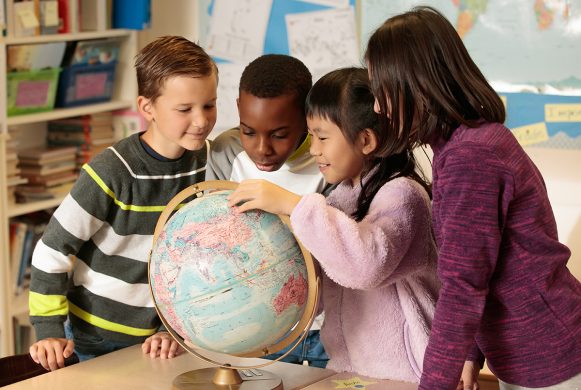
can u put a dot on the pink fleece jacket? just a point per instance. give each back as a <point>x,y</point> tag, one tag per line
<point>379,284</point>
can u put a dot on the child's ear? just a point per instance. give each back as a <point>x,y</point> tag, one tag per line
<point>145,107</point>
<point>367,141</point>
<point>238,105</point>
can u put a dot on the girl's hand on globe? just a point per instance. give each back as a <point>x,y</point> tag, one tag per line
<point>263,195</point>
<point>161,345</point>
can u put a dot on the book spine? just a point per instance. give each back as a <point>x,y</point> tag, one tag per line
<point>37,13</point>
<point>26,258</point>
<point>64,17</point>
<point>87,129</point>
<point>16,249</point>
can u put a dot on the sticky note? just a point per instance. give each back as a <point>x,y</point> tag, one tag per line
<point>352,383</point>
<point>50,14</point>
<point>27,18</point>
<point>531,134</point>
<point>563,112</point>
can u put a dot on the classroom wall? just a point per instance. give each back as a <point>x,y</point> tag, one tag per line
<point>175,17</point>
<point>561,171</point>
<point>559,167</point>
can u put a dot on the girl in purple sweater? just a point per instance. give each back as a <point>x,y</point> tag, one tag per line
<point>506,291</point>
<point>372,236</point>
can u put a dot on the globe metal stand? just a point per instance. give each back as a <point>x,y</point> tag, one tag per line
<point>226,376</point>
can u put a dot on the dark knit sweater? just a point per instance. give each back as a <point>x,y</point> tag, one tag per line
<point>107,223</point>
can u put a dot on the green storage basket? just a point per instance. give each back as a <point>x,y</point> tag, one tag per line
<point>31,91</point>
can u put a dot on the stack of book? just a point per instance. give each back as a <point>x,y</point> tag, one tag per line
<point>91,134</point>
<point>12,170</point>
<point>50,172</point>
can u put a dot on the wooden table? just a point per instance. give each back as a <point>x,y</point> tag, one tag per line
<point>130,369</point>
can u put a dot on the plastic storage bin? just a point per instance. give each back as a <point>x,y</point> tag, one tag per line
<point>85,84</point>
<point>31,91</point>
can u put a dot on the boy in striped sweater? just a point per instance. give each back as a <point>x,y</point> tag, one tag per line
<point>101,301</point>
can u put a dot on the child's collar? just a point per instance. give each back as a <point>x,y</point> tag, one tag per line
<point>302,149</point>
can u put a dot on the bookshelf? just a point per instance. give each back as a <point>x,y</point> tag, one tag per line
<point>32,130</point>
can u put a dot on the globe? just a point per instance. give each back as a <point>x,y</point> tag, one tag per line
<point>227,282</point>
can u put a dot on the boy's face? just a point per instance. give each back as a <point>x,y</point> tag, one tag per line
<point>182,116</point>
<point>271,129</point>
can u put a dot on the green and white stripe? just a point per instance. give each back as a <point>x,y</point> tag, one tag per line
<point>107,223</point>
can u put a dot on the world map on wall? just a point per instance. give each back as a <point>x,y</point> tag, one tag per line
<point>533,42</point>
<point>545,13</point>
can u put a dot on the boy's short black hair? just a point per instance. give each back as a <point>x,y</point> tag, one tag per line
<point>274,75</point>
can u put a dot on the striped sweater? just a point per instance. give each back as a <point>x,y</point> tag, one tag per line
<point>107,223</point>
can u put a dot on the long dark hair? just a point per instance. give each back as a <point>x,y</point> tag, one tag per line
<point>344,97</point>
<point>421,70</point>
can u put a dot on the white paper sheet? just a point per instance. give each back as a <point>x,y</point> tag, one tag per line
<point>238,29</point>
<point>229,80</point>
<point>324,40</point>
<point>330,3</point>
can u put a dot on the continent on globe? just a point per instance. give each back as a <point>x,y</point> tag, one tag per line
<point>294,292</point>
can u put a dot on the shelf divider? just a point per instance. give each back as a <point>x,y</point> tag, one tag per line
<point>18,209</point>
<point>60,113</point>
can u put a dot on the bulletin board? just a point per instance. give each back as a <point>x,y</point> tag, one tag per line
<point>530,51</point>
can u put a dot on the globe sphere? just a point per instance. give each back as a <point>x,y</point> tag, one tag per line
<point>227,282</point>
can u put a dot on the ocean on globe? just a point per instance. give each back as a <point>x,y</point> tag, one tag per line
<point>228,282</point>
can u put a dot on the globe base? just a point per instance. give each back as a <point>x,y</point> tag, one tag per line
<point>222,378</point>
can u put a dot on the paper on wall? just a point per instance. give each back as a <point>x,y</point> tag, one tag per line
<point>329,3</point>
<point>229,75</point>
<point>238,29</point>
<point>323,40</point>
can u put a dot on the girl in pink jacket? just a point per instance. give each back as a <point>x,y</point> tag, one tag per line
<point>372,236</point>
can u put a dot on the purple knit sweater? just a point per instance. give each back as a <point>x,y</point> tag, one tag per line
<point>504,280</point>
<point>379,282</point>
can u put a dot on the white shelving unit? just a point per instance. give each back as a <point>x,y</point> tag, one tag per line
<point>33,130</point>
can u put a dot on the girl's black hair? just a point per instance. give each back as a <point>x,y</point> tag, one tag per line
<point>425,81</point>
<point>344,97</point>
